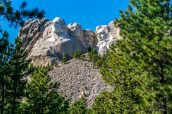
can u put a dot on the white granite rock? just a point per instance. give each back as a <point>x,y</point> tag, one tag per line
<point>106,36</point>
<point>75,30</point>
<point>52,39</point>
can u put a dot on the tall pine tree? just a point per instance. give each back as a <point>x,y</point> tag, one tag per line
<point>20,68</point>
<point>42,96</point>
<point>147,23</point>
<point>5,55</point>
<point>123,72</point>
<point>140,64</point>
<point>10,75</point>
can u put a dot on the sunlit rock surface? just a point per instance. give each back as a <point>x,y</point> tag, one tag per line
<point>46,41</point>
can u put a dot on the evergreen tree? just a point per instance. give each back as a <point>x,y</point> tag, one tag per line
<point>19,69</point>
<point>147,24</point>
<point>95,58</point>
<point>18,17</point>
<point>77,54</point>
<point>10,87</point>
<point>5,51</point>
<point>129,80</point>
<point>42,96</point>
<point>79,107</point>
<point>64,59</point>
<point>139,66</point>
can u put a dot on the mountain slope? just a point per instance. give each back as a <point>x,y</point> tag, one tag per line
<point>79,79</point>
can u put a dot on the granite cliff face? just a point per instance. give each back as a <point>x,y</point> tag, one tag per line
<point>47,41</point>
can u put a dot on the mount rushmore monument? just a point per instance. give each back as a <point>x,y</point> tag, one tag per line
<point>47,41</point>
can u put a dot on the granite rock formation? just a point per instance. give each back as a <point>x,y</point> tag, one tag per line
<point>47,41</point>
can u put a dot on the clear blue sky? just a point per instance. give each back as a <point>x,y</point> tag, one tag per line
<point>88,13</point>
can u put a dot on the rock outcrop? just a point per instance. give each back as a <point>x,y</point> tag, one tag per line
<point>47,41</point>
<point>79,79</point>
<point>106,35</point>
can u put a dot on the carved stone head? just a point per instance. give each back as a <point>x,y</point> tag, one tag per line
<point>75,30</point>
<point>102,33</point>
<point>59,26</point>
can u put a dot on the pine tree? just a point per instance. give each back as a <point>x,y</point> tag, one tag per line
<point>42,96</point>
<point>139,66</point>
<point>95,58</point>
<point>64,59</point>
<point>129,80</point>
<point>79,107</point>
<point>18,17</point>
<point>5,51</point>
<point>77,54</point>
<point>8,61</point>
<point>147,24</point>
<point>19,65</point>
<point>11,71</point>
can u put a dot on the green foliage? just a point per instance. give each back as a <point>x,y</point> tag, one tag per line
<point>139,66</point>
<point>5,55</point>
<point>14,68</point>
<point>148,29</point>
<point>78,107</point>
<point>104,104</point>
<point>92,55</point>
<point>129,80</point>
<point>17,16</point>
<point>83,57</point>
<point>19,68</point>
<point>95,58</point>
<point>77,54</point>
<point>42,96</point>
<point>64,59</point>
<point>13,63</point>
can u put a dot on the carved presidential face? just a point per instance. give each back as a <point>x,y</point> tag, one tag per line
<point>102,33</point>
<point>75,30</point>
<point>59,26</point>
